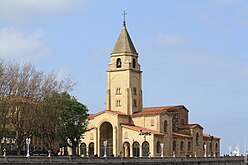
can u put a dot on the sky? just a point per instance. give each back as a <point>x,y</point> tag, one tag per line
<point>192,53</point>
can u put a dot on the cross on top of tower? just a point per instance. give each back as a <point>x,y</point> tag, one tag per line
<point>124,18</point>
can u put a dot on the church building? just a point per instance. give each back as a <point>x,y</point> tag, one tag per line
<point>126,128</point>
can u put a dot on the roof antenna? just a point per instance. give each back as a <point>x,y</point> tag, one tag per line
<point>124,18</point>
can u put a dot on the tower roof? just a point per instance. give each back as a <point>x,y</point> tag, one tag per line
<point>124,43</point>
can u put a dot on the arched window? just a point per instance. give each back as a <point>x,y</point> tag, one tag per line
<point>152,122</point>
<point>182,121</point>
<point>197,138</point>
<point>136,149</point>
<point>134,63</point>
<point>165,126</point>
<point>210,147</point>
<point>189,146</point>
<point>118,103</point>
<point>174,145</point>
<point>83,149</point>
<point>216,147</point>
<point>158,147</point>
<point>118,91</point>
<point>181,146</point>
<point>118,63</point>
<point>91,149</point>
<point>145,149</point>
<point>134,91</point>
<point>134,103</point>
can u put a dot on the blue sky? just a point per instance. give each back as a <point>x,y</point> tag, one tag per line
<point>191,52</point>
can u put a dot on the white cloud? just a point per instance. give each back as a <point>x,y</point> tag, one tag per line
<point>168,40</point>
<point>22,47</point>
<point>27,10</point>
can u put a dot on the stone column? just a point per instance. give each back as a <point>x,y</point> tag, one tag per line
<point>97,145</point>
<point>140,150</point>
<point>87,151</point>
<point>205,150</point>
<point>115,140</point>
<point>162,149</point>
<point>125,150</point>
<point>131,151</point>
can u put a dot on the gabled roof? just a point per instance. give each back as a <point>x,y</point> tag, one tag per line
<point>124,43</point>
<point>158,110</point>
<point>137,128</point>
<point>210,136</point>
<point>191,126</point>
<point>181,135</point>
<point>91,116</point>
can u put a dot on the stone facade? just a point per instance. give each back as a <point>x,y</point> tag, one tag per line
<point>127,129</point>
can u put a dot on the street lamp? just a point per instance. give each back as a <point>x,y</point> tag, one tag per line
<point>28,140</point>
<point>3,144</point>
<point>162,149</point>
<point>105,143</point>
<point>144,134</point>
<point>205,150</point>
<point>146,149</point>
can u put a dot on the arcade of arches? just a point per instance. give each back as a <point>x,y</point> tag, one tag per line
<point>128,129</point>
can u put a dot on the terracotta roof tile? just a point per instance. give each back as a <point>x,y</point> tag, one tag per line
<point>158,110</point>
<point>91,116</point>
<point>190,126</point>
<point>181,135</point>
<point>210,136</point>
<point>137,128</point>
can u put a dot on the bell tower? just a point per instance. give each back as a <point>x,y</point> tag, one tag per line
<point>124,90</point>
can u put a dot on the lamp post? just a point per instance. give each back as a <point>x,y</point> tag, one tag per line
<point>28,140</point>
<point>4,152</point>
<point>205,150</point>
<point>105,143</point>
<point>162,149</point>
<point>3,145</point>
<point>144,134</point>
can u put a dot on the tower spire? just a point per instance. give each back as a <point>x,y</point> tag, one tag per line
<point>124,18</point>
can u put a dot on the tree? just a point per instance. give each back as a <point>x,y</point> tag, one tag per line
<point>23,89</point>
<point>73,121</point>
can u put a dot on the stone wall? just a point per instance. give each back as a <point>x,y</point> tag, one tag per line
<point>122,161</point>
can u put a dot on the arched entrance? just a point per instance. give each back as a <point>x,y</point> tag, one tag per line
<point>145,149</point>
<point>83,149</point>
<point>106,133</point>
<point>136,149</point>
<point>91,149</point>
<point>126,149</point>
